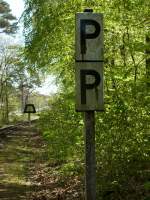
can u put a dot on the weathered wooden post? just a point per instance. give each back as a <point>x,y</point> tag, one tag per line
<point>29,118</point>
<point>89,85</point>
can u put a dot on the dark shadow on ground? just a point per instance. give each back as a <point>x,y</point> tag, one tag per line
<point>16,191</point>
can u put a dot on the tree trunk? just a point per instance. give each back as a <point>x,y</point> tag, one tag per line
<point>7,104</point>
<point>22,97</point>
<point>148,60</point>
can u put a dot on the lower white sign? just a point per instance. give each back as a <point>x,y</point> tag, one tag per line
<point>89,86</point>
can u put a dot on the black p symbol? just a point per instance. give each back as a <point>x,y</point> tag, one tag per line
<point>84,35</point>
<point>85,86</point>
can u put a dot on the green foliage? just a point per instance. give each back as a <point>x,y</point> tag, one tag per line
<point>71,169</point>
<point>64,142</point>
<point>147,185</point>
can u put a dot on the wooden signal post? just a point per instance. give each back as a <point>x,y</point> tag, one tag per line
<point>89,85</point>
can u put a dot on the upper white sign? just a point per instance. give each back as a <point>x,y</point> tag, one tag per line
<point>89,37</point>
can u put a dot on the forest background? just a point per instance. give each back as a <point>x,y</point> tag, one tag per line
<point>122,130</point>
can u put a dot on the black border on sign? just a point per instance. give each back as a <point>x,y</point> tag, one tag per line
<point>26,106</point>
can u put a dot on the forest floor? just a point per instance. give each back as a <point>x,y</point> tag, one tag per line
<point>26,174</point>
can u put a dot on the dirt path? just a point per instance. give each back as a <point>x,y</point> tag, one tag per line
<point>25,172</point>
<point>19,152</point>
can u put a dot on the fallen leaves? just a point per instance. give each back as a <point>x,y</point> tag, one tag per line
<point>54,187</point>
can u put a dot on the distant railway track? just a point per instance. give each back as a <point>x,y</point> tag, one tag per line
<point>4,131</point>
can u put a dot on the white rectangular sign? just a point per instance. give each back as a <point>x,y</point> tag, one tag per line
<point>89,36</point>
<point>89,86</point>
<point>89,62</point>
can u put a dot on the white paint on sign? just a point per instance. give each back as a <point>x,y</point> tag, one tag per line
<point>89,62</point>
<point>89,36</point>
<point>89,86</point>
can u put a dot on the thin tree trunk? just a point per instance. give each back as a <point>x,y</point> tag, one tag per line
<point>7,103</point>
<point>148,60</point>
<point>22,97</point>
